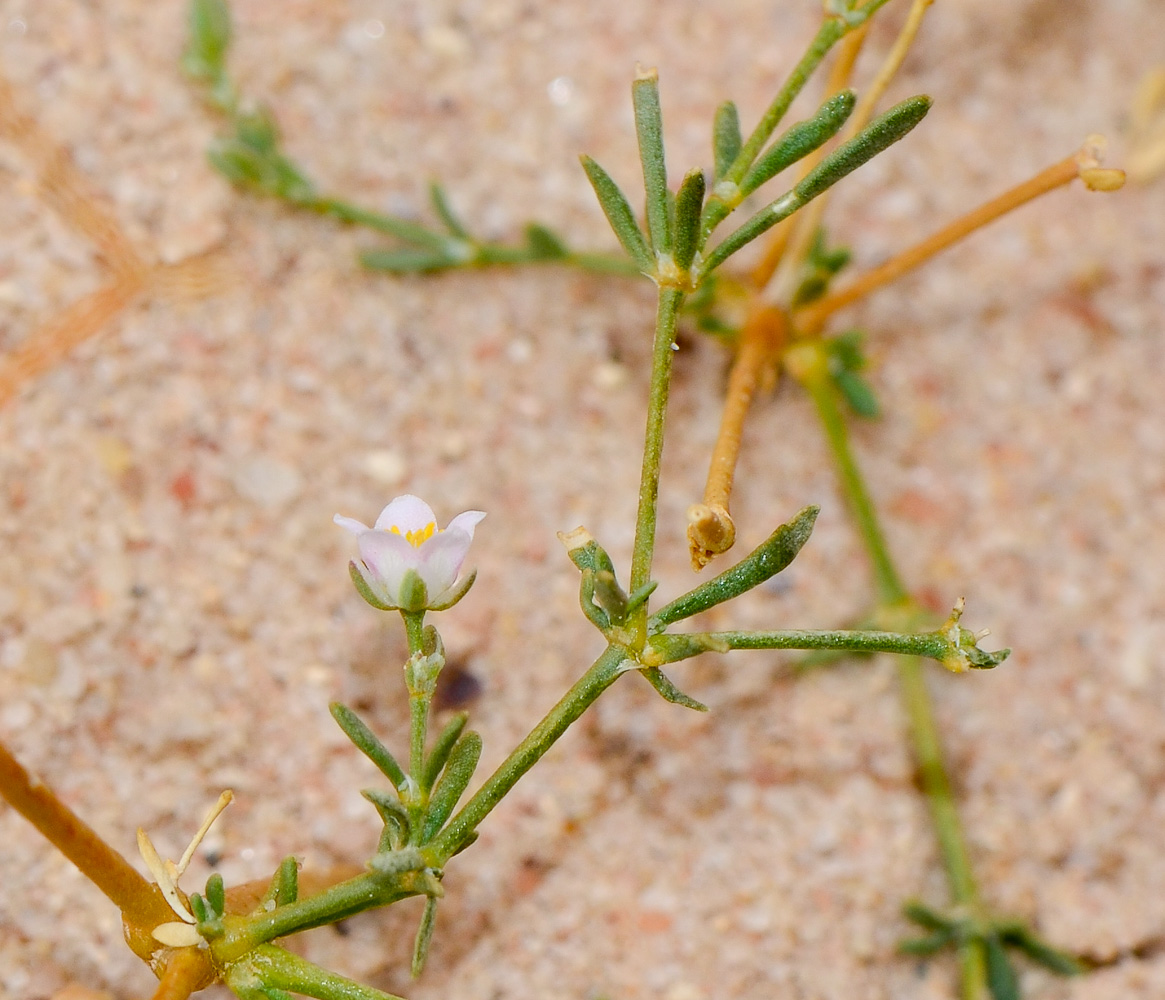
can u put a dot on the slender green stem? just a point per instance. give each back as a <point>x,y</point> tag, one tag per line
<point>812,368</point>
<point>601,675</point>
<point>932,645</point>
<point>670,300</point>
<point>418,699</point>
<point>916,699</point>
<point>364,892</point>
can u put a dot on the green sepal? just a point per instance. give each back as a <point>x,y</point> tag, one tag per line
<point>439,755</point>
<point>649,129</point>
<point>662,683</point>
<point>458,592</point>
<point>364,590</point>
<point>445,212</point>
<point>1001,978</point>
<point>799,140</point>
<point>618,212</point>
<point>881,133</point>
<point>726,138</point>
<point>544,244</point>
<point>216,897</point>
<point>368,744</point>
<point>412,593</point>
<point>424,936</point>
<point>451,786</point>
<point>765,561</point>
<point>393,815</point>
<point>688,205</point>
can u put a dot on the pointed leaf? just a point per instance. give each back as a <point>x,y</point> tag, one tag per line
<point>1001,978</point>
<point>689,203</point>
<point>439,755</point>
<point>726,138</point>
<point>452,783</point>
<point>619,215</point>
<point>544,243</point>
<point>649,128</point>
<point>1039,951</point>
<point>799,140</point>
<point>881,133</point>
<point>660,681</point>
<point>424,936</point>
<point>765,561</point>
<point>445,212</point>
<point>367,743</point>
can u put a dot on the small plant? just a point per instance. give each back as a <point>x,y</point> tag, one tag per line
<point>408,565</point>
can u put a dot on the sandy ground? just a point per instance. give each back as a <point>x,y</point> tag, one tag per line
<point>175,611</point>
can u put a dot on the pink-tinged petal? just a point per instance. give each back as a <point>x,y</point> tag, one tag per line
<point>467,521</point>
<point>441,559</point>
<point>387,557</point>
<point>350,524</point>
<point>406,513</point>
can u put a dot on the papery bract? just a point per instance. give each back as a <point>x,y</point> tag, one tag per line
<point>406,562</point>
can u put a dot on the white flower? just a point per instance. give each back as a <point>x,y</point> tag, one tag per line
<point>406,562</point>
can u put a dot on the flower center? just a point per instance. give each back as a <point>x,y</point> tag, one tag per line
<point>416,538</point>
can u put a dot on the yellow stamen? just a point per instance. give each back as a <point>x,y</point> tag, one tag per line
<point>417,538</point>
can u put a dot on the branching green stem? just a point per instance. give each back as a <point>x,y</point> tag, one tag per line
<point>670,300</point>
<point>601,675</point>
<point>809,365</point>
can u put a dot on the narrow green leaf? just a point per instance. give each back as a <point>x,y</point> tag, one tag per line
<point>439,755</point>
<point>757,225</point>
<point>544,243</point>
<point>284,887</point>
<point>1039,951</point>
<point>689,203</point>
<point>662,683</point>
<point>203,914</point>
<point>726,138</point>
<point>393,814</point>
<point>765,561</point>
<point>858,393</point>
<point>924,916</point>
<point>445,212</point>
<point>799,140</point>
<point>216,894</point>
<point>209,23</point>
<point>1001,978</point>
<point>619,215</point>
<point>407,262</point>
<point>928,945</point>
<point>367,743</point>
<point>424,936</point>
<point>649,128</point>
<point>881,133</point>
<point>452,783</point>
